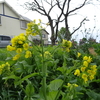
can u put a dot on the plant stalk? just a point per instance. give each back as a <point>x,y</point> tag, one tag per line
<point>44,68</point>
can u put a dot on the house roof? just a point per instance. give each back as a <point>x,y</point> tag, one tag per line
<point>21,17</point>
<point>25,18</point>
<point>45,31</point>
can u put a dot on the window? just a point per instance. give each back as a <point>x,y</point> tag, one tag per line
<point>0,20</point>
<point>3,38</point>
<point>6,38</point>
<point>24,24</point>
<point>43,36</point>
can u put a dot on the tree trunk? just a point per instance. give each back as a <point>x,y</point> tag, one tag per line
<point>67,35</point>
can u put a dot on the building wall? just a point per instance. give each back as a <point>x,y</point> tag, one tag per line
<point>8,11</point>
<point>1,11</point>
<point>45,38</point>
<point>10,24</point>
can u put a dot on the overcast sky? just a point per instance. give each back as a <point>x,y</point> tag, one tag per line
<point>88,11</point>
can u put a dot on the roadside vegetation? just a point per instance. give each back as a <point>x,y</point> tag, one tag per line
<point>65,71</point>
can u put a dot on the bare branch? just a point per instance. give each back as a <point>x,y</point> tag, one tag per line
<point>68,6</point>
<point>79,26</point>
<point>77,7</point>
<point>51,8</point>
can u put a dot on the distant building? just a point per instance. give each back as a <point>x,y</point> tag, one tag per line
<point>44,37</point>
<point>11,23</point>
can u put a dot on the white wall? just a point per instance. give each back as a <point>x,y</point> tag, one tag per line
<point>10,26</point>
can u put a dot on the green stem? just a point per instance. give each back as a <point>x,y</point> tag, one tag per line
<point>44,69</point>
<point>64,65</point>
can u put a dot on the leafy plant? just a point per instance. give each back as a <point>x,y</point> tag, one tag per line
<point>47,73</point>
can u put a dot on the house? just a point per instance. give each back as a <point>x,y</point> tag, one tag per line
<point>44,37</point>
<point>12,23</point>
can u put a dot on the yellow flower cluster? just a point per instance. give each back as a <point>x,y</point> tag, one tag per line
<point>66,45</point>
<point>19,43</point>
<point>3,67</point>
<point>87,71</point>
<point>47,55</point>
<point>34,28</point>
<point>69,85</point>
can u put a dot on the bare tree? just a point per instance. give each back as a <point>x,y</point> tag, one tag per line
<point>65,8</point>
<point>46,7</point>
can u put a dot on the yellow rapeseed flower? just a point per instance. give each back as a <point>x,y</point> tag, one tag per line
<point>77,72</point>
<point>47,54</point>
<point>85,77</point>
<point>25,46</point>
<point>7,64</point>
<point>94,72</point>
<point>69,44</point>
<point>16,57</point>
<point>22,34</point>
<point>83,69</point>
<point>22,38</point>
<point>89,59</point>
<point>68,84</point>
<point>93,67</point>
<point>75,85</point>
<point>89,71</point>
<point>85,58</point>
<point>10,48</point>
<point>85,63</point>
<point>20,42</point>
<point>78,54</point>
<point>28,54</point>
<point>91,77</point>
<point>19,50</point>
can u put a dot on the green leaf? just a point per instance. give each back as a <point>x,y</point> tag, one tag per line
<point>52,95</point>
<point>25,78</point>
<point>19,68</point>
<point>55,84</point>
<point>98,81</point>
<point>11,77</point>
<point>61,69</point>
<point>3,56</point>
<point>93,95</point>
<point>29,90</point>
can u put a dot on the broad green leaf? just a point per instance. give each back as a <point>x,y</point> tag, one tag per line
<point>93,95</point>
<point>52,95</point>
<point>61,69</point>
<point>19,68</point>
<point>55,84</point>
<point>29,90</point>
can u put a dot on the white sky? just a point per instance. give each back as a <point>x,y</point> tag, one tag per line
<point>88,11</point>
